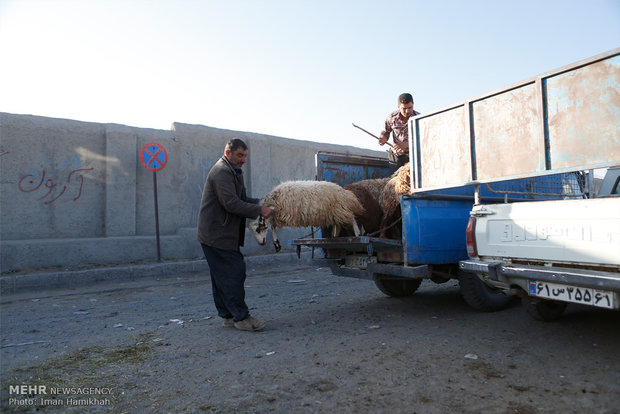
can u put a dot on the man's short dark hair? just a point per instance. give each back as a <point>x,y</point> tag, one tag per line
<point>235,143</point>
<point>405,98</point>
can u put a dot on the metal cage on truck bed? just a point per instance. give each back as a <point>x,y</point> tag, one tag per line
<point>565,120</point>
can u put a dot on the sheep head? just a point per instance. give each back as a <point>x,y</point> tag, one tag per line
<point>258,227</point>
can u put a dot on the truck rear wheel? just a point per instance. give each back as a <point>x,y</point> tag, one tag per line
<point>395,286</point>
<point>482,297</point>
<point>545,310</point>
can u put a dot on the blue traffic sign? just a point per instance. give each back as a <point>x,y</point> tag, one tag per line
<point>153,156</point>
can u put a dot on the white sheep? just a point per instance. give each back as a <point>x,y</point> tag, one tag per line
<point>305,204</point>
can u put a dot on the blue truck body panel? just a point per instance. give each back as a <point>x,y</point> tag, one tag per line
<point>434,230</point>
<point>434,223</point>
<point>344,169</point>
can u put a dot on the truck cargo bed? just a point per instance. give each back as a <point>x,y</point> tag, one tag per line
<point>351,243</point>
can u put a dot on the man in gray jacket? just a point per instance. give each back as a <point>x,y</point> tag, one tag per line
<point>221,231</point>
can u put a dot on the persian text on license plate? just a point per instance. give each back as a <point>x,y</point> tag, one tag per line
<point>566,293</point>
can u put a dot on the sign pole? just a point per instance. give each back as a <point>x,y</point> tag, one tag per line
<point>154,157</point>
<point>156,216</point>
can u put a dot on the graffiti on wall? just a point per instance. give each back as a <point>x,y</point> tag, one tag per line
<point>49,189</point>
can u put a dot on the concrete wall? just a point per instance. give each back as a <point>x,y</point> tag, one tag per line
<point>75,193</point>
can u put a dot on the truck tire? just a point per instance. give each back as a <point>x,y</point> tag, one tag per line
<point>545,310</point>
<point>396,287</point>
<point>482,297</point>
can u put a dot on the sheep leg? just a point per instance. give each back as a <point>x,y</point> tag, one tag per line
<point>335,230</point>
<point>356,229</point>
<point>389,215</point>
<point>276,242</point>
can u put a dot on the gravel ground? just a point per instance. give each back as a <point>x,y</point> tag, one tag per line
<point>331,344</point>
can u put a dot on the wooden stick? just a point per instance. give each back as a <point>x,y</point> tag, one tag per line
<point>372,135</point>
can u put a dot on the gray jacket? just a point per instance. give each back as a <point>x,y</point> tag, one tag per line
<point>224,208</point>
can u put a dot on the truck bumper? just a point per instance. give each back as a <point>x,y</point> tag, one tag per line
<point>506,275</point>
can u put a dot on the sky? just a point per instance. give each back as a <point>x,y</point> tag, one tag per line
<point>300,69</point>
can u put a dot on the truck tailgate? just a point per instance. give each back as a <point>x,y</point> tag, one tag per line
<point>584,231</point>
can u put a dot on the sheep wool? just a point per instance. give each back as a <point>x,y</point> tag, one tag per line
<point>371,219</point>
<point>374,186</point>
<point>312,203</point>
<point>401,182</point>
<point>398,185</point>
<point>305,204</point>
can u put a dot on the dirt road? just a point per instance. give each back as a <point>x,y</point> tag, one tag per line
<point>331,345</point>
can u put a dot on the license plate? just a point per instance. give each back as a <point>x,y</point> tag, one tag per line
<point>567,293</point>
<point>360,262</point>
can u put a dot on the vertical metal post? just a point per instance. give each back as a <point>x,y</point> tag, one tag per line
<point>590,184</point>
<point>407,215</point>
<point>544,163</point>
<point>414,173</point>
<point>469,126</point>
<point>156,216</point>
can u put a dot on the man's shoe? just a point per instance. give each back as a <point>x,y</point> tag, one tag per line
<point>250,324</point>
<point>228,322</point>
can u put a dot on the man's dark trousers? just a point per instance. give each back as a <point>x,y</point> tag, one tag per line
<point>399,160</point>
<point>227,269</point>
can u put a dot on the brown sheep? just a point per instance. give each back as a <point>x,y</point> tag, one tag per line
<point>371,218</point>
<point>374,186</point>
<point>397,186</point>
<point>368,193</point>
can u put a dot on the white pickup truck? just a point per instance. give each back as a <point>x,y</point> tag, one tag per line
<point>549,252</point>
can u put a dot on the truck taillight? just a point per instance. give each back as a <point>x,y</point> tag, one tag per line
<point>470,237</point>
